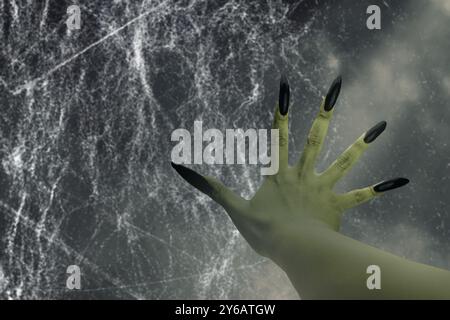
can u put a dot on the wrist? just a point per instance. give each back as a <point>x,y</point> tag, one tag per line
<point>297,239</point>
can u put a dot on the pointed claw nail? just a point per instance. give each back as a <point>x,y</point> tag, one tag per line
<point>333,94</point>
<point>390,184</point>
<point>193,178</point>
<point>375,131</point>
<point>283,102</point>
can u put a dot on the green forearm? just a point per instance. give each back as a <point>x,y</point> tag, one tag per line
<point>322,263</point>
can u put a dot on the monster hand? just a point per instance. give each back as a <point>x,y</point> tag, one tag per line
<point>294,217</point>
<point>296,194</point>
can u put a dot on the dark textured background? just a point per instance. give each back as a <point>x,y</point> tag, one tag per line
<point>86,118</point>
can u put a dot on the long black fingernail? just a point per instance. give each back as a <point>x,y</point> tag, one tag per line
<point>333,94</point>
<point>390,184</point>
<point>375,131</point>
<point>283,102</point>
<point>193,178</point>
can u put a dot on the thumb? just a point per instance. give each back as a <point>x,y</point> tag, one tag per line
<point>211,187</point>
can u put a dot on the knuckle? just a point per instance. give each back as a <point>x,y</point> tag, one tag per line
<point>283,141</point>
<point>324,115</point>
<point>344,161</point>
<point>313,139</point>
<point>360,196</point>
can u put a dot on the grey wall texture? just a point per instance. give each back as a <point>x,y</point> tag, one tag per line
<point>86,119</point>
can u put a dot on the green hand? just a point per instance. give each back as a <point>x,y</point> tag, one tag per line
<point>294,219</point>
<point>295,194</point>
